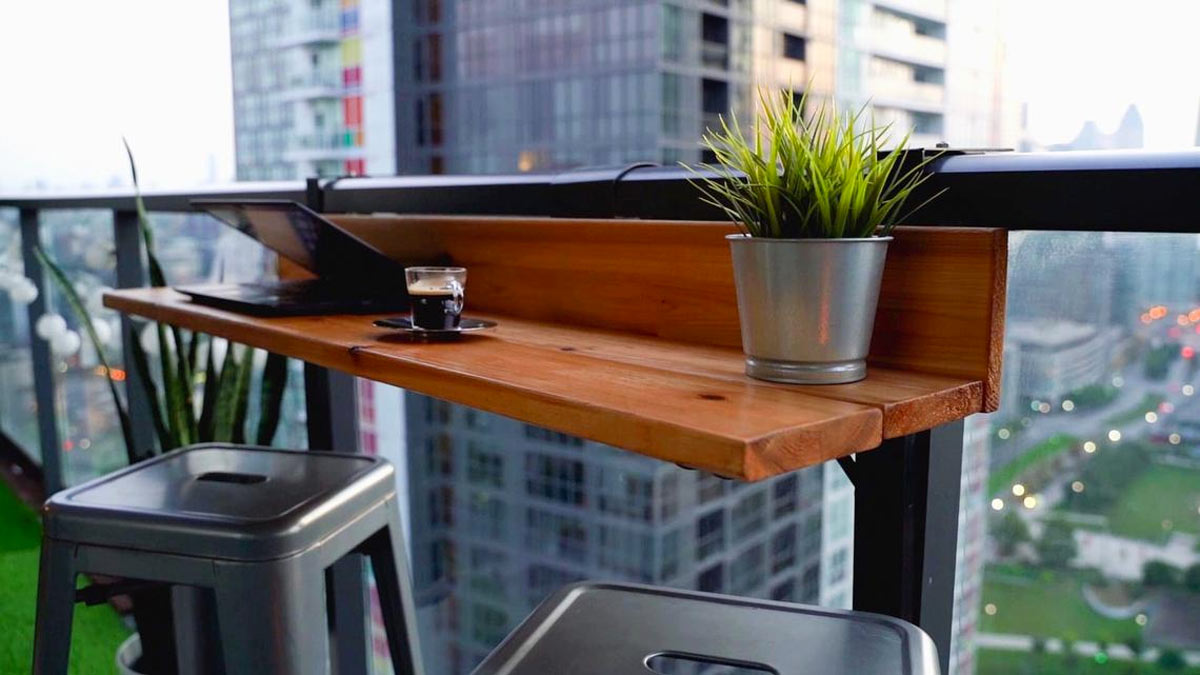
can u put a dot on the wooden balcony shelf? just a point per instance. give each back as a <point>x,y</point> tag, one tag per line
<point>569,356</point>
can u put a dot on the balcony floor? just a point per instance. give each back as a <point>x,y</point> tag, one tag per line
<point>97,632</point>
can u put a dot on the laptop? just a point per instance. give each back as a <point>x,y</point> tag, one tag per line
<point>353,276</point>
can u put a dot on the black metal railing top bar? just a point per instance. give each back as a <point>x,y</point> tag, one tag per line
<point>1099,191</point>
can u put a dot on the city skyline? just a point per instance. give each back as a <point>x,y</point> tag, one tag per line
<point>182,126</point>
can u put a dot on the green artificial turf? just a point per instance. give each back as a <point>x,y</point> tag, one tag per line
<point>1159,494</point>
<point>1046,604</point>
<point>97,631</point>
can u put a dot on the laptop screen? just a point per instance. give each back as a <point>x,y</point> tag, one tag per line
<point>304,237</point>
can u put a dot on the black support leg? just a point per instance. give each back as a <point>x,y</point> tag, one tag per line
<point>906,529</point>
<point>332,425</point>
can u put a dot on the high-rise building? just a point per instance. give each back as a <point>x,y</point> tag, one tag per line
<point>503,513</point>
<point>323,87</point>
<point>312,87</point>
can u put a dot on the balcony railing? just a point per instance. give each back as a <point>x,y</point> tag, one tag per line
<point>1097,191</point>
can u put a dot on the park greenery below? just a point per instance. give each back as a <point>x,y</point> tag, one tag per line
<point>997,662</point>
<point>1158,501</point>
<point>1002,478</point>
<point>1148,403</point>
<point>1046,604</point>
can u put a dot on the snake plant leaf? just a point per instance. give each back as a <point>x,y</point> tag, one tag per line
<point>77,306</point>
<point>209,394</point>
<point>241,393</point>
<point>226,401</point>
<point>271,389</point>
<point>141,364</point>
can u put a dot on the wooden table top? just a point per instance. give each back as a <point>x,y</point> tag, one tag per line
<point>676,401</point>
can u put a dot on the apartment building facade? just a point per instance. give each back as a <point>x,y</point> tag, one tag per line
<point>353,87</point>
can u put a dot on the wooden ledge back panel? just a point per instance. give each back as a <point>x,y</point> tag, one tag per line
<point>941,308</point>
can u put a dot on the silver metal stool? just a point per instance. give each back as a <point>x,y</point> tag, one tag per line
<point>257,526</point>
<point>603,629</point>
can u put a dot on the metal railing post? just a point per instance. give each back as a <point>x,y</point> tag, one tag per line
<point>43,374</point>
<point>131,273</point>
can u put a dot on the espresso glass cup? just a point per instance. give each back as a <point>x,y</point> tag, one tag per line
<point>436,295</point>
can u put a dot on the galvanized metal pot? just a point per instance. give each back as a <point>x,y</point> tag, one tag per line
<point>807,306</point>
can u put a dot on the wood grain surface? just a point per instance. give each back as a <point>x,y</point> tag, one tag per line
<point>941,307</point>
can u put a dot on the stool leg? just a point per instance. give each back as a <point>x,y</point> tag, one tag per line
<point>390,564</point>
<point>271,617</point>
<point>55,608</point>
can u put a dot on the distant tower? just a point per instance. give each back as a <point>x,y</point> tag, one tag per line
<point>1198,125</point>
<point>1129,134</point>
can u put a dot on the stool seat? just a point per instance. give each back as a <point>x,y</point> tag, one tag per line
<point>221,501</point>
<point>256,529</point>
<point>605,628</point>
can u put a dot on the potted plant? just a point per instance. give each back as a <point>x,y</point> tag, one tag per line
<point>816,197</point>
<point>203,394</point>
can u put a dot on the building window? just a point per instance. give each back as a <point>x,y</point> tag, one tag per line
<point>810,584</point>
<point>487,572</point>
<point>439,455</point>
<point>793,47</point>
<point>746,572</point>
<point>487,515</point>
<point>483,466</point>
<point>540,434</point>
<point>710,534</point>
<point>784,592</point>
<point>837,566</point>
<point>670,496</point>
<point>626,553</point>
<point>810,542</point>
<point>711,580</point>
<point>632,498</point>
<point>442,560</point>
<point>544,580</point>
<point>749,515</point>
<point>709,487</point>
<point>441,506</point>
<point>784,492</point>
<point>669,555</point>
<point>556,535</point>
<point>488,625</point>
<point>555,479</point>
<point>783,549</point>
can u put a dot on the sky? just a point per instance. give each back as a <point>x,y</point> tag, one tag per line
<point>77,75</point>
<point>1080,60</point>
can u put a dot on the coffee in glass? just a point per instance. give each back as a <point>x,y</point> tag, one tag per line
<point>436,295</point>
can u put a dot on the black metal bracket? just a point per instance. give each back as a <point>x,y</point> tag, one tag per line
<point>906,500</point>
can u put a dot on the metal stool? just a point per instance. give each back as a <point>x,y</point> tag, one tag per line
<point>257,526</point>
<point>602,629</point>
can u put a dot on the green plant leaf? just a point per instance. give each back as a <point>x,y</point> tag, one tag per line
<point>271,389</point>
<point>77,306</point>
<point>241,394</point>
<point>209,395</point>
<point>225,405</point>
<point>141,365</point>
<point>801,172</point>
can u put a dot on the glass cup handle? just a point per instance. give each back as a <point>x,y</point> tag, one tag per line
<point>457,303</point>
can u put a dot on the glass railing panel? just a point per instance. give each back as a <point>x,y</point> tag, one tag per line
<point>501,514</point>
<point>18,405</point>
<point>194,248</point>
<point>1092,494</point>
<point>81,244</point>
